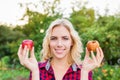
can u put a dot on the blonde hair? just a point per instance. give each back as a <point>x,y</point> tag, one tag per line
<point>76,49</point>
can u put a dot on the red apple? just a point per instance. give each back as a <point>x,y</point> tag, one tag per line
<point>29,43</point>
<point>92,45</point>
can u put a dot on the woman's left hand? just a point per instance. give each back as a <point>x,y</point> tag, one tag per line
<point>90,63</point>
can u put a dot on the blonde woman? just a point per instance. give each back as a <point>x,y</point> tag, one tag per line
<point>61,55</point>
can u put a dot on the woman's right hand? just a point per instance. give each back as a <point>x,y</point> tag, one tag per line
<point>29,62</point>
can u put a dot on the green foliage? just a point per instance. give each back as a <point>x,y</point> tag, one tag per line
<point>8,40</point>
<point>109,35</point>
<point>14,74</point>
<point>4,62</point>
<point>107,72</point>
<point>83,18</point>
<point>105,29</point>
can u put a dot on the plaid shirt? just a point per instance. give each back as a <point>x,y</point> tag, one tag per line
<point>47,73</point>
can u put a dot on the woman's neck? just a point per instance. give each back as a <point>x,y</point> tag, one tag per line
<point>60,67</point>
<point>60,62</point>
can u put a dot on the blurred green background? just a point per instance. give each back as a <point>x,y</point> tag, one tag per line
<point>105,29</point>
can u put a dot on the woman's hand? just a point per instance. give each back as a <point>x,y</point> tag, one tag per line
<point>29,62</point>
<point>90,63</point>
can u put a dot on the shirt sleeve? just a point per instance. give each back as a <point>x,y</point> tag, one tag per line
<point>90,75</point>
<point>30,76</point>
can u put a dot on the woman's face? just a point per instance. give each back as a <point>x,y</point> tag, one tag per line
<point>60,42</point>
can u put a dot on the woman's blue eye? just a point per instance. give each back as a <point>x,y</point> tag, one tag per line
<point>65,38</point>
<point>53,38</point>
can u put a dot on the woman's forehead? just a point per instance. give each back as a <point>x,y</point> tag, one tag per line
<point>61,29</point>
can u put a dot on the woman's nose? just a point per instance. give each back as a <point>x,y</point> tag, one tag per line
<point>59,43</point>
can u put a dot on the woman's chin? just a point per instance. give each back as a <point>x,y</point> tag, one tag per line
<point>59,56</point>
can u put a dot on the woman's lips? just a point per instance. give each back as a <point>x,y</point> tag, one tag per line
<point>59,50</point>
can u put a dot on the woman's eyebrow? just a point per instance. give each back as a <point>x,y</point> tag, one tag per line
<point>52,36</point>
<point>66,36</point>
<point>62,36</point>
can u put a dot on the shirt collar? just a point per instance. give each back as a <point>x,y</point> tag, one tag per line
<point>74,66</point>
<point>47,66</point>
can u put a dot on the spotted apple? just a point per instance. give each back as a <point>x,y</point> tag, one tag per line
<point>29,43</point>
<point>92,45</point>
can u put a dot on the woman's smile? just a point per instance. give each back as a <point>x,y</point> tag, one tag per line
<point>59,51</point>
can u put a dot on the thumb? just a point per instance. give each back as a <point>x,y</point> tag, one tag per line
<point>87,53</point>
